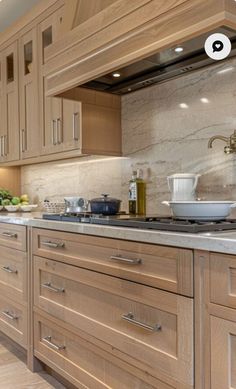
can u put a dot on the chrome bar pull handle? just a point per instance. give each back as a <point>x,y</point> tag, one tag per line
<point>54,346</point>
<point>59,131</point>
<point>129,261</point>
<point>5,146</point>
<point>9,234</point>
<point>10,316</point>
<point>23,141</point>
<point>76,126</point>
<point>53,244</point>
<point>131,319</point>
<point>53,127</point>
<point>9,270</point>
<point>49,286</point>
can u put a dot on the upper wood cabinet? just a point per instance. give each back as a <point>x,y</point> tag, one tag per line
<point>29,96</point>
<point>35,128</point>
<point>10,104</point>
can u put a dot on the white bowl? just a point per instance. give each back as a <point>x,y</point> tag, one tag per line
<point>28,208</point>
<point>200,210</point>
<point>11,208</point>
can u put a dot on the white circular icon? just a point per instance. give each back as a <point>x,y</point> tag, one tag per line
<point>217,46</point>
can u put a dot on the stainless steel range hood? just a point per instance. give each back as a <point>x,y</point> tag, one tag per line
<point>161,66</point>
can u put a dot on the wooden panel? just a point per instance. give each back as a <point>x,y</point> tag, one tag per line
<point>13,236</point>
<point>134,36</point>
<point>83,363</point>
<point>15,327</point>
<point>223,273</point>
<point>13,274</point>
<point>201,320</point>
<point>29,95</point>
<point>11,103</point>
<point>95,303</point>
<point>167,268</point>
<point>101,128</point>
<point>223,354</point>
<point>10,178</point>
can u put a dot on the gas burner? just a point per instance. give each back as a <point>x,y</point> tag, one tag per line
<point>146,222</point>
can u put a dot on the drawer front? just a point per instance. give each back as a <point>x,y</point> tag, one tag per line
<point>13,274</point>
<point>80,361</point>
<point>163,267</point>
<point>223,279</point>
<point>151,327</point>
<point>13,236</point>
<point>223,354</point>
<point>13,321</point>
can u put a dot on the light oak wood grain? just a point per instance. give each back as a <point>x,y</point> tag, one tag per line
<point>223,273</point>
<point>137,34</point>
<point>13,236</point>
<point>163,267</point>
<point>94,303</point>
<point>81,362</point>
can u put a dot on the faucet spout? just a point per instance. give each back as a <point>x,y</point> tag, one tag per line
<point>213,138</point>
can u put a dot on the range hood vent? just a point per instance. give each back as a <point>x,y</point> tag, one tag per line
<point>161,66</point>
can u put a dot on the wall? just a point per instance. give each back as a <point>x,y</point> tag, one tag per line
<point>165,130</point>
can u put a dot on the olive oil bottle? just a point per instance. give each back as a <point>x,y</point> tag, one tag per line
<point>137,194</point>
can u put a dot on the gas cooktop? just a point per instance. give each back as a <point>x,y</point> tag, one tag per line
<point>145,222</point>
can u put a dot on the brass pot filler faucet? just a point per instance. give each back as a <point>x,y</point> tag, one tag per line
<point>231,142</point>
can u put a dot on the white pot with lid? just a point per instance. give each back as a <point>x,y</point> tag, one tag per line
<point>183,186</point>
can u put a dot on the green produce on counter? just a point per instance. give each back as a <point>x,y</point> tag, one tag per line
<point>15,201</point>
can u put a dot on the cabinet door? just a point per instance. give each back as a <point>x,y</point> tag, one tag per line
<point>223,354</point>
<point>10,140</point>
<point>72,111</point>
<point>29,97</point>
<point>2,115</point>
<point>51,107</point>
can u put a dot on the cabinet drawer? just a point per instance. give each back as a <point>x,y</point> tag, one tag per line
<point>81,362</point>
<point>13,236</point>
<point>144,325</point>
<point>13,274</point>
<point>13,321</point>
<point>223,354</point>
<point>223,279</point>
<point>167,268</point>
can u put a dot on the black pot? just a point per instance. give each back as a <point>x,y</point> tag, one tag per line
<point>105,205</point>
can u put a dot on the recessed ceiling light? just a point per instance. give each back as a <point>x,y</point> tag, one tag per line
<point>204,100</point>
<point>116,75</point>
<point>179,49</point>
<point>183,105</point>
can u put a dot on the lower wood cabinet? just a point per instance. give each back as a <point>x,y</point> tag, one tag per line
<point>14,282</point>
<point>13,320</point>
<point>83,363</point>
<point>146,326</point>
<point>223,353</point>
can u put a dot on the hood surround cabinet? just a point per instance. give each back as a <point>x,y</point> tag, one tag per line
<point>123,33</point>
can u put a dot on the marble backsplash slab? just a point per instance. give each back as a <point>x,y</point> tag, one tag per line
<point>166,129</point>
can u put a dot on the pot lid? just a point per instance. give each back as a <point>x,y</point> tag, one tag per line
<point>105,199</point>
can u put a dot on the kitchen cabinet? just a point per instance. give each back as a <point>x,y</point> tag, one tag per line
<point>81,123</point>
<point>29,96</point>
<point>142,326</point>
<point>13,283</point>
<point>10,104</point>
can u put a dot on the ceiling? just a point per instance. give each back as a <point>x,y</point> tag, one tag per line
<point>10,10</point>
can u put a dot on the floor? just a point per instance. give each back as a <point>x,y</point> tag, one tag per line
<point>14,373</point>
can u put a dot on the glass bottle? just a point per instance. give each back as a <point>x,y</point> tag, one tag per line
<point>137,194</point>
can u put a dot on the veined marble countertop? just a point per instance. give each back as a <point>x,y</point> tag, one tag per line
<point>219,241</point>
